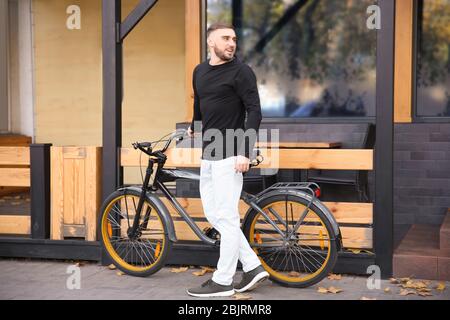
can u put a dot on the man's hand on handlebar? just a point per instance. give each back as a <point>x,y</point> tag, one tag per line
<point>242,164</point>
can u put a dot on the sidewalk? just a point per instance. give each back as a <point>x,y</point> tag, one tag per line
<point>36,279</point>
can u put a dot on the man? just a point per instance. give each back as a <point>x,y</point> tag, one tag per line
<point>225,92</point>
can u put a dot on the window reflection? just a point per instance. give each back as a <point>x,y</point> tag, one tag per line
<point>313,58</point>
<point>433,60</point>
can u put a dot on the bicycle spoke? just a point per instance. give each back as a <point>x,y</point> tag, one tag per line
<point>300,253</point>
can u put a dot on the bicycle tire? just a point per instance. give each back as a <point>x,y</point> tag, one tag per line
<point>333,247</point>
<point>107,247</point>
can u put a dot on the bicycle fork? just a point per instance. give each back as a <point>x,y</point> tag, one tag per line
<point>133,232</point>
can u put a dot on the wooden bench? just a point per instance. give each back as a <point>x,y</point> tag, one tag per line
<point>14,140</point>
<point>15,172</point>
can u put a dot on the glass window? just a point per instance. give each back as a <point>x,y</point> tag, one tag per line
<point>312,58</point>
<point>433,58</point>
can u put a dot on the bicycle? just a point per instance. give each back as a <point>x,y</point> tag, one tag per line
<point>295,236</point>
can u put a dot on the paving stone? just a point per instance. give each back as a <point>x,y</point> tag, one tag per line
<point>47,280</point>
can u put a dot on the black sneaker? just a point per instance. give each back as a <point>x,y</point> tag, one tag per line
<point>211,289</point>
<point>250,280</point>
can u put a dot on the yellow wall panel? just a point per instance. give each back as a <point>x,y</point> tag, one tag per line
<point>68,73</point>
<point>68,87</point>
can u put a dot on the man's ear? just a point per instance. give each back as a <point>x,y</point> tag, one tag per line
<point>210,42</point>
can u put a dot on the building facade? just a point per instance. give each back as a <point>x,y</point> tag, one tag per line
<point>316,64</point>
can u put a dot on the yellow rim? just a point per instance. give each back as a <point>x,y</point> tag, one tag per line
<point>106,230</point>
<point>292,277</point>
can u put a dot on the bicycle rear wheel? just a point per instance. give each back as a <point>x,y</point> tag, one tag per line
<point>146,253</point>
<point>301,260</point>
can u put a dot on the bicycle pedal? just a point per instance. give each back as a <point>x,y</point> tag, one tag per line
<point>211,233</point>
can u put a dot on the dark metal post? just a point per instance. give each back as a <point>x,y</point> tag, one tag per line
<point>383,207</point>
<point>237,12</point>
<point>40,190</point>
<point>114,32</point>
<point>112,175</point>
<point>112,97</point>
<point>135,16</point>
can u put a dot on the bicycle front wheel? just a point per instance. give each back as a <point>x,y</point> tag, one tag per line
<point>145,253</point>
<point>294,257</point>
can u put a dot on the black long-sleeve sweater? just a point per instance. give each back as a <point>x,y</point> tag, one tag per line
<point>224,96</point>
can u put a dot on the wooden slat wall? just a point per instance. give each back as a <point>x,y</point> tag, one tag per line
<point>355,218</point>
<point>14,169</point>
<point>75,185</point>
<point>14,140</point>
<point>403,78</point>
<point>352,238</point>
<point>57,191</point>
<point>14,153</point>
<point>14,156</point>
<point>338,159</point>
<point>10,224</point>
<point>15,177</point>
<point>345,213</point>
<point>193,47</point>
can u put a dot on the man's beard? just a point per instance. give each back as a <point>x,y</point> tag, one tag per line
<point>221,55</point>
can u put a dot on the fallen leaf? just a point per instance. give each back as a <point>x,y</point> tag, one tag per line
<point>203,271</point>
<point>178,270</point>
<point>240,296</point>
<point>387,290</point>
<point>332,276</point>
<point>440,286</point>
<point>329,290</point>
<point>112,267</point>
<point>423,290</point>
<point>120,273</point>
<point>365,298</point>
<point>199,273</point>
<point>393,281</point>
<point>408,284</point>
<point>355,251</point>
<point>294,274</point>
<point>334,290</point>
<point>322,290</point>
<point>424,294</point>
<point>421,285</point>
<point>79,264</point>
<point>404,280</point>
<point>404,292</point>
<point>415,285</point>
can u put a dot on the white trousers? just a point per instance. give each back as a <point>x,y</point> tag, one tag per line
<point>220,190</point>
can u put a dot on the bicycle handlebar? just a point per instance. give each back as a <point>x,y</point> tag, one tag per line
<point>146,147</point>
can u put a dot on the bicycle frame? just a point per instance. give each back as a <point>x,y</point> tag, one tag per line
<point>158,184</point>
<point>165,175</point>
